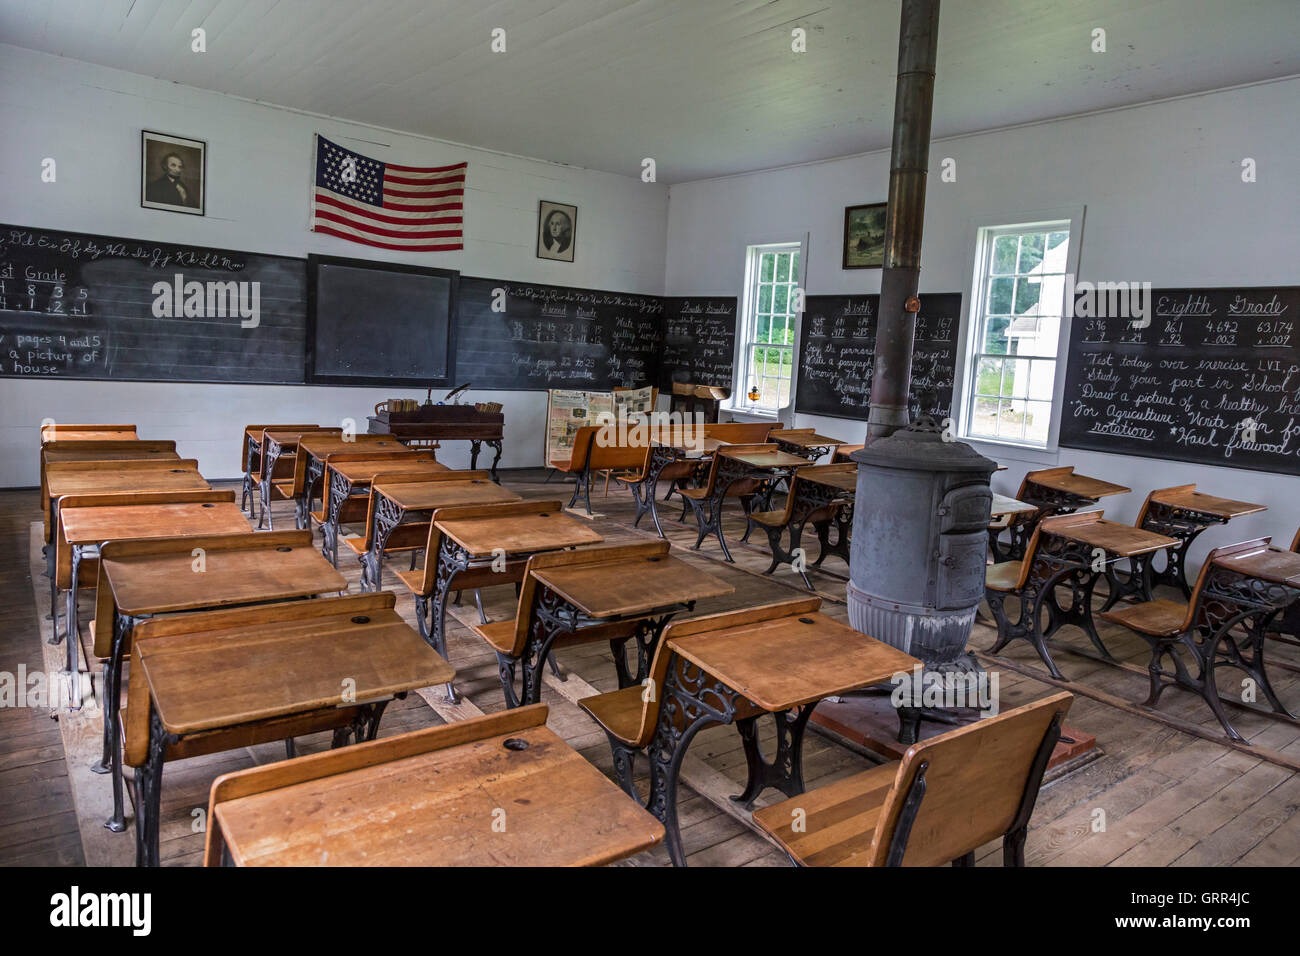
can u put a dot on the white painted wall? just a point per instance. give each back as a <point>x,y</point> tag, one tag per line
<point>89,118</point>
<point>1164,203</point>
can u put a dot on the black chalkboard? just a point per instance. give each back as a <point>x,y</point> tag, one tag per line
<point>379,323</point>
<point>699,341</point>
<point>837,344</point>
<point>515,336</point>
<point>1188,386</point>
<point>74,305</point>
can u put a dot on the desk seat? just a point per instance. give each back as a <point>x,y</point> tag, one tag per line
<point>1003,576</point>
<point>499,634</point>
<point>1159,618</point>
<point>619,714</point>
<point>769,519</point>
<point>840,821</point>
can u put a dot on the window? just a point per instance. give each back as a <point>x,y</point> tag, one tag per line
<point>770,323</point>
<point>1015,332</point>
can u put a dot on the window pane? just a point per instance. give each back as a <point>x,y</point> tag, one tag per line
<point>1011,419</point>
<point>995,335</point>
<point>1015,378</point>
<point>1055,239</point>
<point>766,262</point>
<point>999,302</point>
<point>1039,337</point>
<point>783,267</point>
<point>764,298</point>
<point>794,267</point>
<point>1042,380</point>
<point>1004,255</point>
<point>984,417</point>
<point>1038,422</point>
<point>988,380</point>
<point>1031,251</point>
<point>1027,293</point>
<point>781,299</point>
<point>762,328</point>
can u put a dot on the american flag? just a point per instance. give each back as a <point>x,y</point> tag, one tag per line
<point>412,208</point>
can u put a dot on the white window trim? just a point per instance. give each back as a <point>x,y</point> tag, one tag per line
<point>1002,449</point>
<point>736,404</point>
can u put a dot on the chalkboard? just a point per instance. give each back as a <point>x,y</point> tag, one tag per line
<point>1189,386</point>
<point>379,323</point>
<point>75,305</point>
<point>545,336</point>
<point>699,341</point>
<point>837,346</point>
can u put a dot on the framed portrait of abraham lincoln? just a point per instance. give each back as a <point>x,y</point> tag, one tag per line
<point>172,173</point>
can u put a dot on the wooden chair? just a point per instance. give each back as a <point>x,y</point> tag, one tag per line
<point>250,459</point>
<point>946,798</point>
<point>630,715</point>
<point>1033,584</point>
<point>508,639</point>
<point>807,502</point>
<point>408,537</point>
<point>643,481</point>
<point>1198,627</point>
<point>701,499</point>
<point>347,722</point>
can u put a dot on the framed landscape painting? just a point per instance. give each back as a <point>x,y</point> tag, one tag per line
<point>864,236</point>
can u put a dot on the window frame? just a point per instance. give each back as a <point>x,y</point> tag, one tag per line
<point>747,327</point>
<point>1068,219</point>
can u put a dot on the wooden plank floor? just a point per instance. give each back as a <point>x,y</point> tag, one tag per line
<point>1157,796</point>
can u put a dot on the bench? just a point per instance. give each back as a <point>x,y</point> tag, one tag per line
<point>948,796</point>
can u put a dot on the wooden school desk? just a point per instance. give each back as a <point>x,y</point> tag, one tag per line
<point>399,501</point>
<point>141,579</point>
<point>88,526</point>
<point>430,798</point>
<point>279,663</point>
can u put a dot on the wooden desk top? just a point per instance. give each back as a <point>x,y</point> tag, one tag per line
<point>765,459</point>
<point>320,447</point>
<point>1002,505</point>
<point>93,525</point>
<point>430,495</point>
<point>53,454</point>
<point>436,809</point>
<point>843,477</point>
<point>1267,564</point>
<point>621,588</point>
<point>1208,504</point>
<point>365,469</point>
<point>804,440</point>
<point>519,534</point>
<point>120,434</point>
<point>288,438</point>
<point>1080,485</point>
<point>158,583</point>
<point>789,661</point>
<point>1121,540</point>
<point>202,680</point>
<point>101,481</point>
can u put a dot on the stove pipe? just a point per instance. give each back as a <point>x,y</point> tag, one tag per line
<point>909,160</point>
